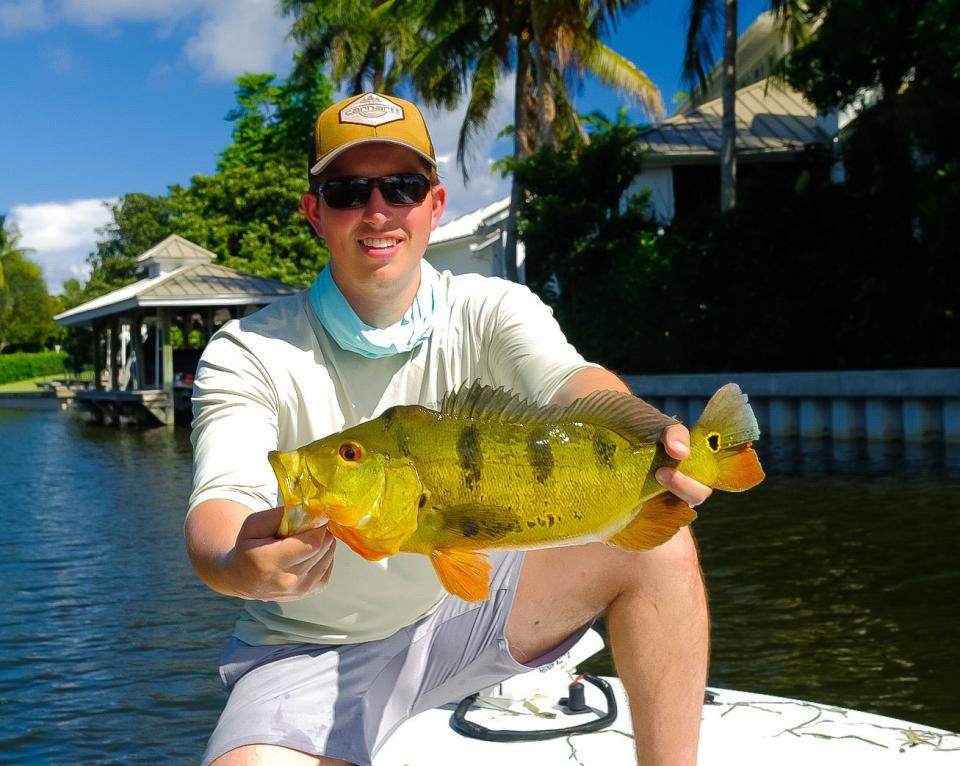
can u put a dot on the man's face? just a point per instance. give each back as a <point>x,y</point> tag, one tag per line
<point>376,245</point>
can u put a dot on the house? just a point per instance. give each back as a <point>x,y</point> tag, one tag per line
<point>474,243</point>
<point>778,131</point>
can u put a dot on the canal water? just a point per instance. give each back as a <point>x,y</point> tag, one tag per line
<point>837,580</point>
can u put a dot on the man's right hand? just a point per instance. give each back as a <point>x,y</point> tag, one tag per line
<point>236,553</point>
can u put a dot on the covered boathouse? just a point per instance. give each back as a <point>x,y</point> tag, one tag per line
<point>139,376</point>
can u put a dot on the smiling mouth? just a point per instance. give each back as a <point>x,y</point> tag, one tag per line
<point>379,242</point>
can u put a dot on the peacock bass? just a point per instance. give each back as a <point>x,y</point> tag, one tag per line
<point>490,470</point>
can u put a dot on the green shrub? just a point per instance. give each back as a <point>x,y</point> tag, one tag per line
<point>23,366</point>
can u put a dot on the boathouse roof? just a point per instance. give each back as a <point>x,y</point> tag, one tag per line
<point>180,273</point>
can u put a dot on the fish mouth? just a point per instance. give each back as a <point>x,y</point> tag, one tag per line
<point>289,470</point>
<point>300,492</point>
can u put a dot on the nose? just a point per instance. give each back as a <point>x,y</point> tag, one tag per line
<point>377,211</point>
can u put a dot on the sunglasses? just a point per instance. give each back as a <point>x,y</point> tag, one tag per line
<point>354,191</point>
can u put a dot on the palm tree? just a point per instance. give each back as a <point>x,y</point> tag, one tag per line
<point>703,28</point>
<point>363,42</point>
<point>9,237</point>
<point>451,50</point>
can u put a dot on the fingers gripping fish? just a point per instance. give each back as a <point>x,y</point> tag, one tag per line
<point>489,470</point>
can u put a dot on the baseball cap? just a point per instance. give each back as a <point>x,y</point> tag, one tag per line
<point>367,118</point>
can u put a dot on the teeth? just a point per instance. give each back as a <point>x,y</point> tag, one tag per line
<point>379,242</point>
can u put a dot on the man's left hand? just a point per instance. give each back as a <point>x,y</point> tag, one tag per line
<point>676,441</point>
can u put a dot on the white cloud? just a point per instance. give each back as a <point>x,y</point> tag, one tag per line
<point>240,36</point>
<point>61,234</point>
<point>23,15</point>
<point>222,39</point>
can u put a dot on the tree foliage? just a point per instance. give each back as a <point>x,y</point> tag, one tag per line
<point>247,212</point>
<point>26,310</point>
<point>902,152</point>
<point>791,279</point>
<point>595,255</point>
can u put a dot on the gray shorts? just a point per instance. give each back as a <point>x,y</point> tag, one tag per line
<point>344,701</point>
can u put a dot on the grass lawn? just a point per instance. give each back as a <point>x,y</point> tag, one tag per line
<point>18,386</point>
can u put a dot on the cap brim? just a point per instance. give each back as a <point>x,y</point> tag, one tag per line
<point>331,156</point>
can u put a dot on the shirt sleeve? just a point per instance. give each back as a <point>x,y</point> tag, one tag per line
<point>235,425</point>
<point>527,351</point>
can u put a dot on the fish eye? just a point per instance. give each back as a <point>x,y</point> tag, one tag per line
<point>350,452</point>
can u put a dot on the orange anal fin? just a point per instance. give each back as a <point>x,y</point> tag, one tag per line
<point>463,573</point>
<point>658,520</point>
<point>358,543</point>
<point>738,469</point>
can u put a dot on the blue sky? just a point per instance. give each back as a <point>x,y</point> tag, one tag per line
<point>106,97</point>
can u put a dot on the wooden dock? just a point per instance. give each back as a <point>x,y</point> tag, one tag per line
<point>147,407</point>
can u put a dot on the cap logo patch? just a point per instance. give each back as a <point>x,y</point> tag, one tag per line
<point>372,110</point>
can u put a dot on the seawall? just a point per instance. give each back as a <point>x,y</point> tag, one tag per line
<point>881,405</point>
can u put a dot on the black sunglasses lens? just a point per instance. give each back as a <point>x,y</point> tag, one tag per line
<point>342,193</point>
<point>405,189</point>
<point>400,189</point>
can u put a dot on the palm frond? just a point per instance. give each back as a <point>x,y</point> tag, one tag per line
<point>483,94</point>
<point>705,28</point>
<point>620,73</point>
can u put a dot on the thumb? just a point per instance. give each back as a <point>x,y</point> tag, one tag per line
<point>260,524</point>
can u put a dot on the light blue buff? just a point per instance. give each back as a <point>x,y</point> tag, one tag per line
<point>353,334</point>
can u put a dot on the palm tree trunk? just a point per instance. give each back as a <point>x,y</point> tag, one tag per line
<point>728,138</point>
<point>523,143</point>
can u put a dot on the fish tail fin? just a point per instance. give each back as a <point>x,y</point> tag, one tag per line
<point>721,443</point>
<point>463,573</point>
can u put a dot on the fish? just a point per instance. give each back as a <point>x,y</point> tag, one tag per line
<point>489,470</point>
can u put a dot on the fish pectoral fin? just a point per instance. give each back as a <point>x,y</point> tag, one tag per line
<point>463,573</point>
<point>658,520</point>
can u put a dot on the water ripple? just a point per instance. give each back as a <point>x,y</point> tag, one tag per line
<point>831,581</point>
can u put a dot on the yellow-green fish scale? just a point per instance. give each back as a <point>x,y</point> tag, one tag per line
<point>514,484</point>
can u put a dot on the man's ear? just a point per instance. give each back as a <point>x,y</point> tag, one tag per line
<point>309,206</point>
<point>439,195</point>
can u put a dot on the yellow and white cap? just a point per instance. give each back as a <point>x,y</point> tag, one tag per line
<point>367,118</point>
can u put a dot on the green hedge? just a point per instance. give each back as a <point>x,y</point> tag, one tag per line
<point>23,366</point>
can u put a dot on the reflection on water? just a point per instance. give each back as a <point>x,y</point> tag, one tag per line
<point>109,643</point>
<point>835,580</point>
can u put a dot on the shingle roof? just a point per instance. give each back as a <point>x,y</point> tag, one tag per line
<point>771,118</point>
<point>197,285</point>
<point>177,248</point>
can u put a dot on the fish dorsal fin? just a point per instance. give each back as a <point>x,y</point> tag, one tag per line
<point>625,414</point>
<point>631,417</point>
<point>483,402</point>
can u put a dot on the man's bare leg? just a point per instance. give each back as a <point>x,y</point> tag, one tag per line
<point>658,630</point>
<point>272,755</point>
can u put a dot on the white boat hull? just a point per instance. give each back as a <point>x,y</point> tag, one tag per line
<point>738,729</point>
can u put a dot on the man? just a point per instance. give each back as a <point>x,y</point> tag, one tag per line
<point>333,652</point>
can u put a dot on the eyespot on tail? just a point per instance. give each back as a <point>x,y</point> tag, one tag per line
<point>725,434</point>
